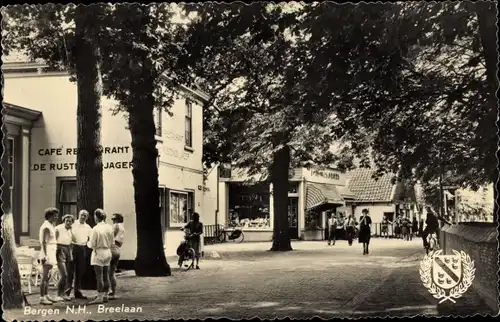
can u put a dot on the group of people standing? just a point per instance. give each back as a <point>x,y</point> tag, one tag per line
<point>338,223</point>
<point>68,245</point>
<point>404,228</point>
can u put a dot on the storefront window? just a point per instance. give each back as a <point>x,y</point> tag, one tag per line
<point>313,220</point>
<point>181,205</point>
<point>249,205</point>
<point>293,211</point>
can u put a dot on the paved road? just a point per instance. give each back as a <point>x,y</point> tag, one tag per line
<point>317,280</point>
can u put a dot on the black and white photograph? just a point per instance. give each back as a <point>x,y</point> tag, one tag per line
<point>249,160</point>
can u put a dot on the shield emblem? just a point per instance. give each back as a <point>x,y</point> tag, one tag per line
<point>447,271</point>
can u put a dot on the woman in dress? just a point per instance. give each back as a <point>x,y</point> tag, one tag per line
<point>119,233</point>
<point>365,223</point>
<point>47,256</point>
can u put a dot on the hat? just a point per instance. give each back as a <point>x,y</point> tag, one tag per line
<point>66,216</point>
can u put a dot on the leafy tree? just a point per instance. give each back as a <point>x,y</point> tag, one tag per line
<point>141,50</point>
<point>119,51</point>
<point>259,117</point>
<point>421,85</point>
<point>65,37</point>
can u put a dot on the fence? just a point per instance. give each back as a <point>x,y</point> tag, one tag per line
<point>377,230</point>
<point>210,233</point>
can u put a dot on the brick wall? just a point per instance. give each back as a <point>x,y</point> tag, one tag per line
<point>479,241</point>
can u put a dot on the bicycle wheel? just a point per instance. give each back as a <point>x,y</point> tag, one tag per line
<point>189,256</point>
<point>240,238</point>
<point>221,236</point>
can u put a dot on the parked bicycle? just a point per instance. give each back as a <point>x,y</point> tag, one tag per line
<point>432,243</point>
<point>185,252</point>
<point>235,235</point>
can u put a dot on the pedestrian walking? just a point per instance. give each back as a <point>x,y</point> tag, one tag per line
<point>385,227</point>
<point>119,233</point>
<point>350,228</point>
<point>332,227</point>
<point>195,229</point>
<point>397,226</point>
<point>365,224</point>
<point>414,226</point>
<point>81,237</point>
<point>405,229</point>
<point>47,255</point>
<point>431,227</point>
<point>64,256</point>
<point>340,224</point>
<point>420,227</point>
<point>101,241</point>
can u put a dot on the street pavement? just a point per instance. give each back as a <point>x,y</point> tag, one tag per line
<point>248,281</point>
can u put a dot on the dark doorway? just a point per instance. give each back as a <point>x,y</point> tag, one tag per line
<point>293,216</point>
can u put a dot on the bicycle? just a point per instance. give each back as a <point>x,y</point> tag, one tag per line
<point>185,252</point>
<point>235,235</point>
<point>432,244</point>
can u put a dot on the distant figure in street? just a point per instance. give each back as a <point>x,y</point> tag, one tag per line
<point>196,230</point>
<point>420,227</point>
<point>47,255</point>
<point>332,227</point>
<point>101,241</point>
<point>397,226</point>
<point>119,233</point>
<point>64,237</point>
<point>405,229</point>
<point>365,224</point>
<point>431,227</point>
<point>385,227</point>
<point>81,236</point>
<point>340,224</point>
<point>415,226</point>
<point>350,228</point>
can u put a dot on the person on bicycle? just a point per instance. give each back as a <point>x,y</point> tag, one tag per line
<point>195,230</point>
<point>431,227</point>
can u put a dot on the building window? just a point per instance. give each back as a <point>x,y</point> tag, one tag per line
<point>157,113</point>
<point>293,188</point>
<point>249,205</point>
<point>67,197</point>
<point>10,154</point>
<point>181,207</point>
<point>189,125</point>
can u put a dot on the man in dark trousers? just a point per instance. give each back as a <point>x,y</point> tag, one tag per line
<point>431,226</point>
<point>350,228</point>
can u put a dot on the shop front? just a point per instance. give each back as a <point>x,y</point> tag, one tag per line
<point>246,203</point>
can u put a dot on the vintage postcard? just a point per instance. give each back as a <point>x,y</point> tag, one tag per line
<point>231,160</point>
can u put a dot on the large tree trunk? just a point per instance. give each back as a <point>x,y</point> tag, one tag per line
<point>11,280</point>
<point>279,179</point>
<point>89,110</point>
<point>150,259</point>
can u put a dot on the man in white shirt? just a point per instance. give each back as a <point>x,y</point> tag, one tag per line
<point>332,227</point>
<point>81,236</point>
<point>101,242</point>
<point>350,228</point>
<point>64,257</point>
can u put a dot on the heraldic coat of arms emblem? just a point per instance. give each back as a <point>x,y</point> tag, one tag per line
<point>447,277</point>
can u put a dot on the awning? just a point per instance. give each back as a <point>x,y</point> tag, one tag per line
<point>322,194</point>
<point>346,193</point>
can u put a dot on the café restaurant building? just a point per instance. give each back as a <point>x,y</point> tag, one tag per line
<point>40,115</point>
<point>247,203</point>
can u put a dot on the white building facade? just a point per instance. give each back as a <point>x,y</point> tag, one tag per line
<point>40,116</point>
